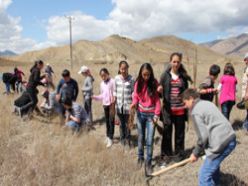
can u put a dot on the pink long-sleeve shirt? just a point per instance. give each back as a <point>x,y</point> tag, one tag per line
<point>106,92</point>
<point>228,88</point>
<point>145,102</point>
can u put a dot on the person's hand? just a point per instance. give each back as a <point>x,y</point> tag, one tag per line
<point>132,106</point>
<point>246,98</point>
<point>160,89</point>
<point>57,97</point>
<point>216,91</point>
<point>155,120</point>
<point>193,158</point>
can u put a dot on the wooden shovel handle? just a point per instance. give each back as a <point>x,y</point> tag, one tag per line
<point>171,167</point>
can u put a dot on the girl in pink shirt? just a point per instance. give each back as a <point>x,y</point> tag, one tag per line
<point>107,98</point>
<point>227,89</point>
<point>147,102</point>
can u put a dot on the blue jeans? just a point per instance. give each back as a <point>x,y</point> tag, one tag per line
<point>226,108</point>
<point>73,125</point>
<point>245,123</point>
<point>210,171</point>
<point>145,125</point>
<point>7,85</point>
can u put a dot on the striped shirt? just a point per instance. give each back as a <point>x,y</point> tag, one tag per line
<point>177,105</point>
<point>123,93</point>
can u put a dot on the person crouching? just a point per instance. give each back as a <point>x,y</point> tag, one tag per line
<point>76,116</point>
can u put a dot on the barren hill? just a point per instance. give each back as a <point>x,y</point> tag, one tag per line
<point>115,48</point>
<point>233,46</point>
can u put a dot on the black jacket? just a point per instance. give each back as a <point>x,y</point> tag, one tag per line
<point>9,78</point>
<point>35,78</point>
<point>165,81</point>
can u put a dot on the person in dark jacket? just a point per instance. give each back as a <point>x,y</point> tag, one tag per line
<point>9,80</point>
<point>66,89</point>
<point>34,81</point>
<point>172,83</point>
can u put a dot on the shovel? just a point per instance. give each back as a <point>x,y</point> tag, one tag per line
<point>166,169</point>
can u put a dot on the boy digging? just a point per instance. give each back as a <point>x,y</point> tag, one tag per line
<point>215,136</point>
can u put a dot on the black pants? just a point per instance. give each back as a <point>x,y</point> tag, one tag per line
<point>88,108</point>
<point>166,145</point>
<point>124,130</point>
<point>110,122</point>
<point>33,95</point>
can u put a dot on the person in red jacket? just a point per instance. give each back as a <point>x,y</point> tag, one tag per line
<point>19,75</point>
<point>147,102</point>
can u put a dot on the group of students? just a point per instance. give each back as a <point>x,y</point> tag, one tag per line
<point>215,134</point>
<point>122,94</point>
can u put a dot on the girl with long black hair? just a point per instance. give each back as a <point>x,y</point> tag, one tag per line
<point>146,99</point>
<point>35,80</point>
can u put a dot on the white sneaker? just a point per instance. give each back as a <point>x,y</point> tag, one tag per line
<point>106,140</point>
<point>109,143</point>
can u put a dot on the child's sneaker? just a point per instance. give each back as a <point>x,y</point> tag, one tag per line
<point>109,143</point>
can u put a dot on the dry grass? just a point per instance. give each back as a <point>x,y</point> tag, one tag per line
<point>36,153</point>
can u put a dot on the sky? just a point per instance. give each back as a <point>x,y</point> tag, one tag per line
<point>35,24</point>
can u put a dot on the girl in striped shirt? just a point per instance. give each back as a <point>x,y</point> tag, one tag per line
<point>173,82</point>
<point>124,84</point>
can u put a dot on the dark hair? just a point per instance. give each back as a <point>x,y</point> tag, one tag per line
<point>123,63</point>
<point>104,70</point>
<point>65,73</point>
<point>180,55</point>
<point>190,92</point>
<point>214,70</point>
<point>229,69</point>
<point>151,84</point>
<point>181,69</point>
<point>36,63</point>
<point>184,73</point>
<point>67,101</point>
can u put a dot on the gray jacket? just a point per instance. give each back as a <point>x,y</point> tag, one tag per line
<point>88,87</point>
<point>214,131</point>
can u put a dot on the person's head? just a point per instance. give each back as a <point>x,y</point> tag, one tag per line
<point>84,70</point>
<point>188,97</point>
<point>104,73</point>
<point>214,71</point>
<point>66,75</point>
<point>67,103</point>
<point>15,70</point>
<point>246,59</point>
<point>229,69</point>
<point>146,75</point>
<point>175,61</point>
<point>39,64</point>
<point>123,69</point>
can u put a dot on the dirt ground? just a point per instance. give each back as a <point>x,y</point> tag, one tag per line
<point>35,152</point>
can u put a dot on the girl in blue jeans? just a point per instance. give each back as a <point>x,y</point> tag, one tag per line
<point>146,99</point>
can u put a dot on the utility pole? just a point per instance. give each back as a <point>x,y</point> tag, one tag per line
<point>70,18</point>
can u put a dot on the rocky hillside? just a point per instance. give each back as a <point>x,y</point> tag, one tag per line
<point>233,46</point>
<point>115,48</point>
